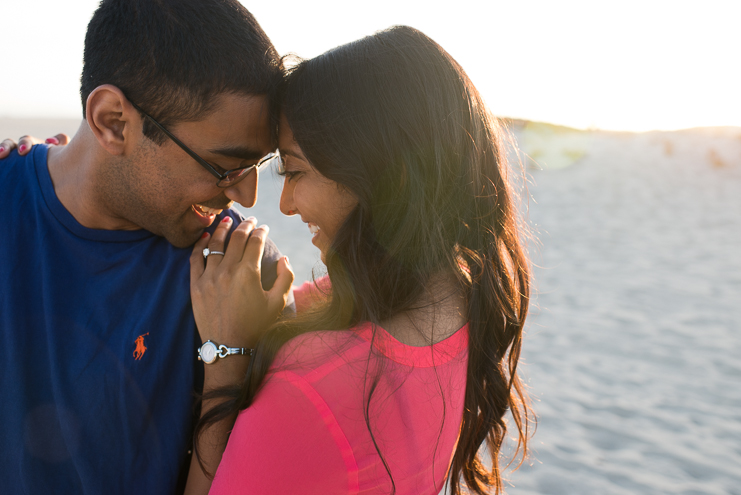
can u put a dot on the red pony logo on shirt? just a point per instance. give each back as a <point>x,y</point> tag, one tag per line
<point>140,347</point>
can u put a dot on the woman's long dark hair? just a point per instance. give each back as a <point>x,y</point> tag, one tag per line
<point>394,119</point>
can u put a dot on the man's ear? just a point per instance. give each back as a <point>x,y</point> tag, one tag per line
<point>112,118</point>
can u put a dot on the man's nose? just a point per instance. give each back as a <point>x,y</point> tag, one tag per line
<point>244,192</point>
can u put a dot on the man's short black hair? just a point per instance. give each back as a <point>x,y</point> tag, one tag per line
<point>172,57</point>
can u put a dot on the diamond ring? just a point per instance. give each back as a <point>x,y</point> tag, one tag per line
<point>207,252</point>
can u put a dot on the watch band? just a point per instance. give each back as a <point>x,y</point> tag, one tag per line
<point>210,352</point>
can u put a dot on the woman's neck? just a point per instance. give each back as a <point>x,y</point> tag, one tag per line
<point>438,313</point>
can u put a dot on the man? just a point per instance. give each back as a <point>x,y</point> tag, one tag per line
<point>99,343</point>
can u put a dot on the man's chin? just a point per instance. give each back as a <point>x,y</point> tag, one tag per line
<point>183,239</point>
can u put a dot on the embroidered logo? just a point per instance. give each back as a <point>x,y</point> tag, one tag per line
<point>140,347</point>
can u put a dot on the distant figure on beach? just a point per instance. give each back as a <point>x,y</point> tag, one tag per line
<point>96,257</point>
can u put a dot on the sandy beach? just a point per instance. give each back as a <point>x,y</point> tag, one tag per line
<point>633,343</point>
<point>633,346</point>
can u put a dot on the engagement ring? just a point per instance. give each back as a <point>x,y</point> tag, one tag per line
<point>207,252</point>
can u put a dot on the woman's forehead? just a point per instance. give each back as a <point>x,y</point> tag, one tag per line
<point>287,145</point>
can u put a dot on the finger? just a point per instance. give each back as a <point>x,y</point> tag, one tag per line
<point>25,143</point>
<point>197,266</point>
<point>278,294</point>
<point>216,244</point>
<point>238,241</point>
<point>60,139</point>
<point>6,147</point>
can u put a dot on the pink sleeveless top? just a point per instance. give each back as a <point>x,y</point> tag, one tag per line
<point>306,431</point>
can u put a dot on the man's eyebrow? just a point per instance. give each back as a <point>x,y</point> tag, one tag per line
<point>243,152</point>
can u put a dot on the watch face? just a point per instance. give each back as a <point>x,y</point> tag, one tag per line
<point>208,352</point>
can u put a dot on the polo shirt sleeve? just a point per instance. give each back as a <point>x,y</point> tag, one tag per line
<point>287,441</point>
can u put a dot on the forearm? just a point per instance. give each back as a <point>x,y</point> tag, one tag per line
<point>212,442</point>
<point>230,307</point>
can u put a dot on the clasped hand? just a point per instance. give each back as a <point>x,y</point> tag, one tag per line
<point>229,303</point>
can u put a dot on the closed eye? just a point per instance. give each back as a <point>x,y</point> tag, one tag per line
<point>217,168</point>
<point>281,170</point>
<point>241,166</point>
<point>289,174</point>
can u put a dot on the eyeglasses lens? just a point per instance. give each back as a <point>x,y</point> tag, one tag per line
<point>235,176</point>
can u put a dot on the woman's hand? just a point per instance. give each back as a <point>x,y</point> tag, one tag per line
<point>230,308</point>
<point>25,143</point>
<point>229,303</point>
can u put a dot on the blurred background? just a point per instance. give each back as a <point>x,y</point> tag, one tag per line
<point>630,65</point>
<point>625,124</point>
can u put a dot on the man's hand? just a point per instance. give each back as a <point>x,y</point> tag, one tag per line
<point>25,143</point>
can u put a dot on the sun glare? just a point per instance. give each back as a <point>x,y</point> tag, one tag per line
<point>629,65</point>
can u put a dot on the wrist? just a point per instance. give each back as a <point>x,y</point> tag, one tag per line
<point>211,352</point>
<point>225,373</point>
<point>224,365</point>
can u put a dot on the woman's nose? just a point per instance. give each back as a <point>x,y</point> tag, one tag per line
<point>286,199</point>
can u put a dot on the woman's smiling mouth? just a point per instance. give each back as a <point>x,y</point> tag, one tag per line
<point>314,229</point>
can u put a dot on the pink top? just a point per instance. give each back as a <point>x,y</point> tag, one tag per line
<point>306,430</point>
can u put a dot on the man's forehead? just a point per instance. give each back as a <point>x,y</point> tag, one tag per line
<point>244,152</point>
<point>239,126</point>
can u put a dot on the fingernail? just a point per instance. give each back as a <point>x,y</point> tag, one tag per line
<point>22,148</point>
<point>287,262</point>
<point>2,148</point>
<point>251,219</point>
<point>205,234</point>
<point>264,227</point>
<point>226,219</point>
<point>52,140</point>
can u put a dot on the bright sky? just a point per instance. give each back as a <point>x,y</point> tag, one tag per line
<point>627,65</point>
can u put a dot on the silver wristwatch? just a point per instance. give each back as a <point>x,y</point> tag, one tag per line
<point>209,352</point>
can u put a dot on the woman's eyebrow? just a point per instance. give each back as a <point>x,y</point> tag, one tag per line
<point>291,152</point>
<point>243,152</point>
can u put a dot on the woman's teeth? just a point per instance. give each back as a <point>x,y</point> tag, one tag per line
<point>314,228</point>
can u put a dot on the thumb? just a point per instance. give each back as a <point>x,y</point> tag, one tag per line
<point>60,139</point>
<point>197,266</point>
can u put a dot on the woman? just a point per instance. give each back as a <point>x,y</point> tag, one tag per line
<point>404,363</point>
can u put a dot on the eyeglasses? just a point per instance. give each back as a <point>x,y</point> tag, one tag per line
<point>226,179</point>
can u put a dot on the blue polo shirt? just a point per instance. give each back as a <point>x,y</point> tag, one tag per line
<point>98,355</point>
